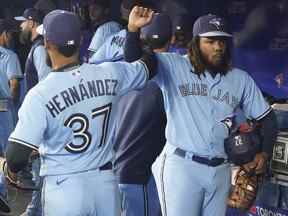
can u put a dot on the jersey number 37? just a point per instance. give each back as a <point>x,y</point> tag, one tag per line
<point>83,133</point>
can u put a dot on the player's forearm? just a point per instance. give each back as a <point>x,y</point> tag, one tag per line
<point>269,131</point>
<point>17,156</point>
<point>14,87</point>
<point>133,51</point>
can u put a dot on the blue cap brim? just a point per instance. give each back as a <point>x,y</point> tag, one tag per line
<point>215,34</point>
<point>20,18</point>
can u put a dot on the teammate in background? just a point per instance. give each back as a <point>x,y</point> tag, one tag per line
<point>9,60</point>
<point>181,34</point>
<point>68,118</point>
<point>140,132</point>
<point>99,13</point>
<point>10,72</point>
<point>113,47</point>
<point>36,68</point>
<point>200,93</point>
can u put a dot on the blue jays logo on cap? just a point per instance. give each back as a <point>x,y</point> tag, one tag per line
<point>210,26</point>
<point>217,22</point>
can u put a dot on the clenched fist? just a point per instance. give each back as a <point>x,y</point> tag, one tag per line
<point>139,17</point>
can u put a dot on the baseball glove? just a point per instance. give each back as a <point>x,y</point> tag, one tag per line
<point>244,191</point>
<point>13,179</point>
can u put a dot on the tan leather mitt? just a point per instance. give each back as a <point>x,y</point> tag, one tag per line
<point>244,192</point>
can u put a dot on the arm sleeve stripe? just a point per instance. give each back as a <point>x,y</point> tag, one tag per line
<point>92,49</point>
<point>145,68</point>
<point>23,143</point>
<point>264,114</point>
<point>114,59</point>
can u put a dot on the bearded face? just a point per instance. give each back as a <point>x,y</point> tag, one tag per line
<point>213,52</point>
<point>26,32</point>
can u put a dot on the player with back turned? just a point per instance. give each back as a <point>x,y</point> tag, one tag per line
<point>201,93</point>
<point>68,118</point>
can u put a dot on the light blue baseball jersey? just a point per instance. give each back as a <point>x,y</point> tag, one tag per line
<point>39,59</point>
<point>68,117</point>
<point>113,47</point>
<point>9,69</point>
<point>102,33</point>
<point>196,106</point>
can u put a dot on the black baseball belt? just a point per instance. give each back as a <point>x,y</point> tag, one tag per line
<point>106,166</point>
<point>213,162</point>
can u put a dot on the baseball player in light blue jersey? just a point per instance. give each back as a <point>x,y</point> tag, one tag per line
<point>10,73</point>
<point>113,48</point>
<point>99,13</point>
<point>36,69</point>
<point>201,92</point>
<point>68,118</point>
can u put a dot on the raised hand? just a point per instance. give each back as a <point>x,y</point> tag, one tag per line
<point>139,17</point>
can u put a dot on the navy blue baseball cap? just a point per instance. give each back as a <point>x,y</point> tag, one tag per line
<point>181,22</point>
<point>31,14</point>
<point>160,27</point>
<point>210,26</point>
<point>62,28</point>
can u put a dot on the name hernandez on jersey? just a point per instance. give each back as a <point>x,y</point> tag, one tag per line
<point>76,94</point>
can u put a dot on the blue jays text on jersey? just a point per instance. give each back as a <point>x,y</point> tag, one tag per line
<point>201,89</point>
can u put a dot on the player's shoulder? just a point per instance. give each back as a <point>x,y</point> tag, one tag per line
<point>7,53</point>
<point>103,67</point>
<point>238,73</point>
<point>169,56</point>
<point>40,48</point>
<point>110,24</point>
<point>173,59</point>
<point>35,93</point>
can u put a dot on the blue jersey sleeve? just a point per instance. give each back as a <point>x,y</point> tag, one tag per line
<point>131,75</point>
<point>100,55</point>
<point>39,59</point>
<point>253,103</point>
<point>32,122</point>
<point>102,33</point>
<point>13,69</point>
<point>167,65</point>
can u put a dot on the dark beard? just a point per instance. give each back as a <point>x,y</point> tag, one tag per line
<point>25,37</point>
<point>48,60</point>
<point>221,66</point>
